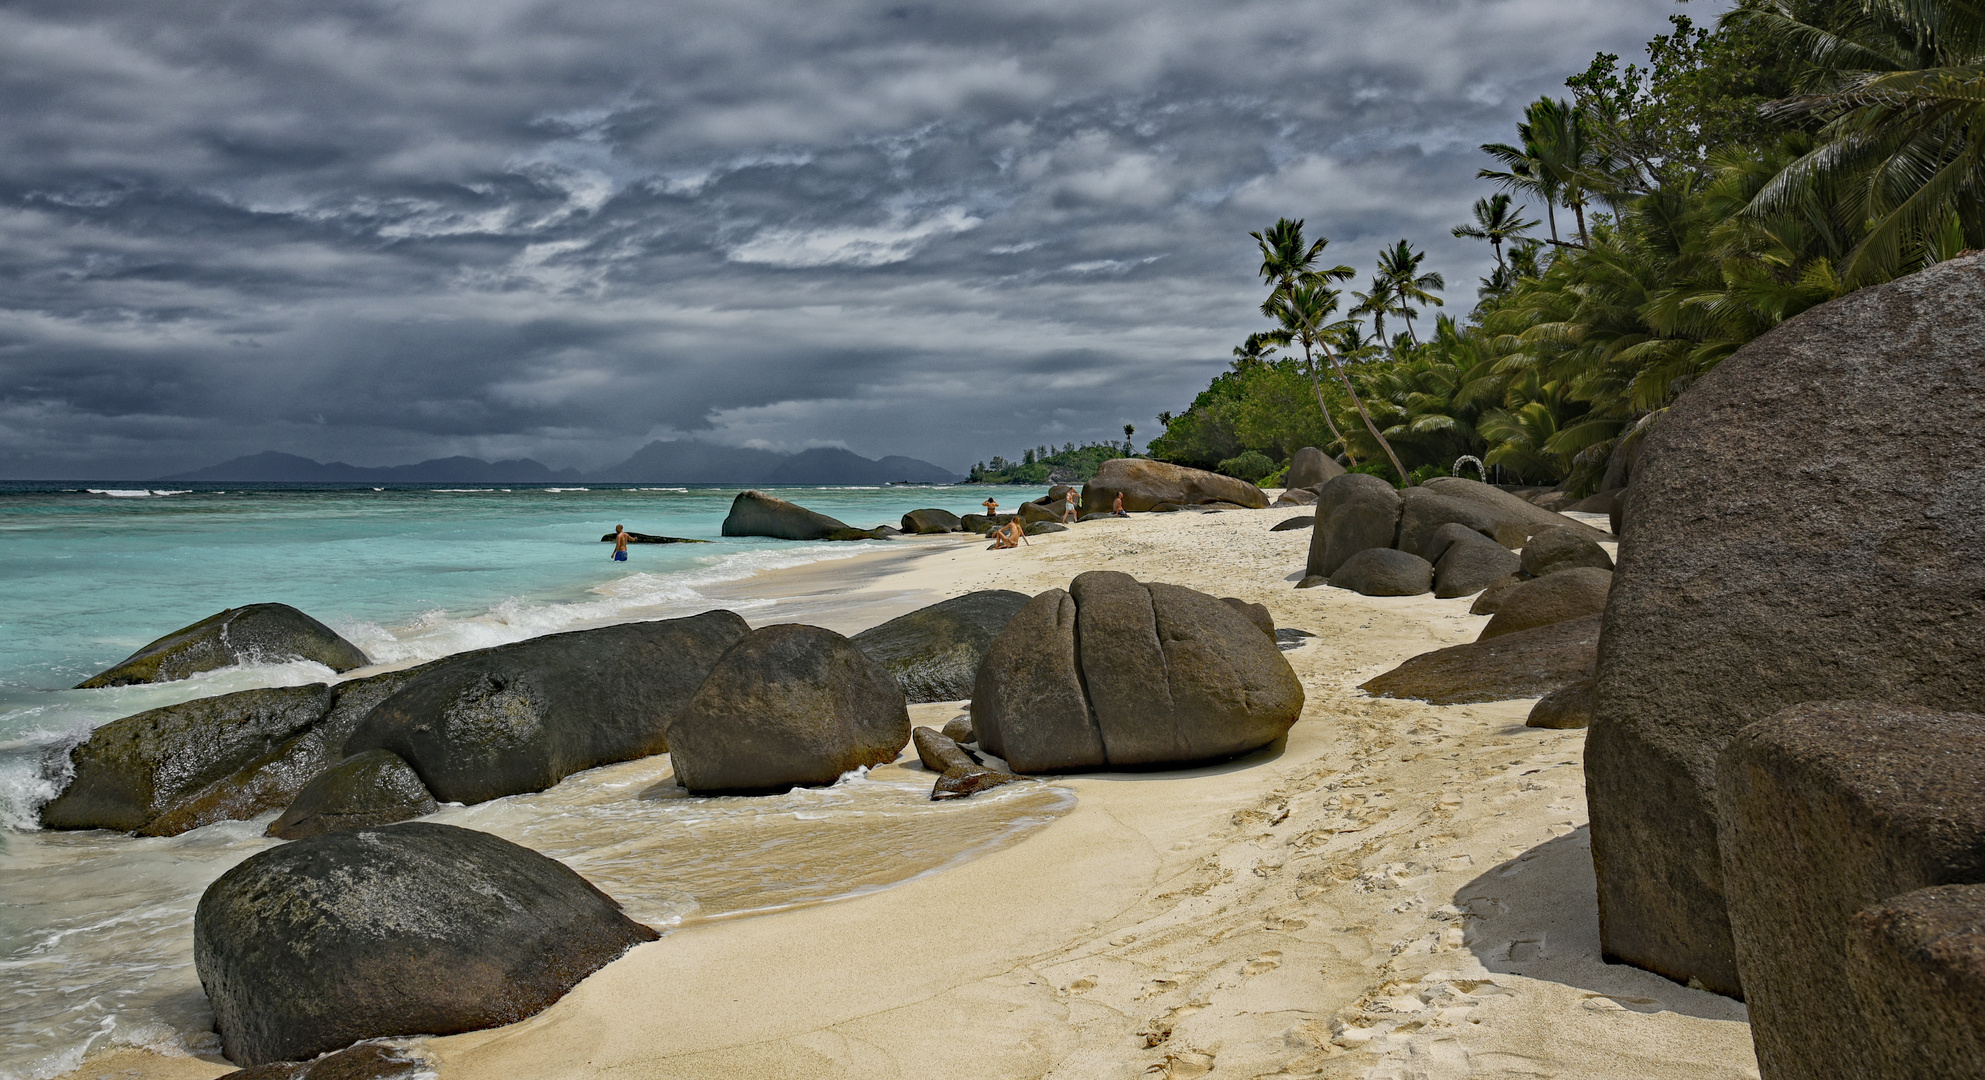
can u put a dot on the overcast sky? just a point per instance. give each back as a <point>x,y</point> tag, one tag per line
<point>388,230</point>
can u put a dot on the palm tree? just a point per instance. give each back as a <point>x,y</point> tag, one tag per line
<point>1496,223</point>
<point>1904,129</point>
<point>1399,266</point>
<point>1288,261</point>
<point>1557,161</point>
<point>1378,303</point>
<point>1254,352</point>
<point>1302,310</point>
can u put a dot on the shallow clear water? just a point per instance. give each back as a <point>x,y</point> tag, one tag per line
<point>96,927</point>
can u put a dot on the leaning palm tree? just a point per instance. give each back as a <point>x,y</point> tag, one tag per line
<point>1903,113</point>
<point>1289,261</point>
<point>1496,223</point>
<point>1557,160</point>
<point>1303,311</point>
<point>1399,266</point>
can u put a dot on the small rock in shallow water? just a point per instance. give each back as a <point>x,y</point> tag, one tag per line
<point>959,729</point>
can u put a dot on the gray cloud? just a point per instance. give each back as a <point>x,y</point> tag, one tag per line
<point>385,231</point>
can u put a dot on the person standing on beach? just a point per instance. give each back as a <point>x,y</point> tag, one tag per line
<point>1068,505</point>
<point>620,543</point>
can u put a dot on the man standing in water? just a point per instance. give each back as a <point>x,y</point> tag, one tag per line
<point>620,543</point>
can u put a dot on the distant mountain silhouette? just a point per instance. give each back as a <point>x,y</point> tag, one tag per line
<point>272,467</point>
<point>683,461</point>
<point>687,461</point>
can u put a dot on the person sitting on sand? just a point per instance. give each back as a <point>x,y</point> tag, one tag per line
<point>1116,507</point>
<point>992,506</point>
<point>620,543</point>
<point>1068,506</point>
<point>1012,535</point>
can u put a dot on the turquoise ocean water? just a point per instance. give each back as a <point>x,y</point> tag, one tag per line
<point>95,927</point>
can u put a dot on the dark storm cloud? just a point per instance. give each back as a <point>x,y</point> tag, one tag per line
<point>385,231</point>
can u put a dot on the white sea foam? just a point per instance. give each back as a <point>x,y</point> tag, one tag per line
<point>135,493</point>
<point>560,490</point>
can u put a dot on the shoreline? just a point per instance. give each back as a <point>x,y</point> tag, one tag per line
<point>1398,889</point>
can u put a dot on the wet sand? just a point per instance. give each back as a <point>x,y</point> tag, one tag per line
<point>1400,890</point>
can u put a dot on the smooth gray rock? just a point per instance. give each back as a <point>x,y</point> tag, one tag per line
<point>959,729</point>
<point>1296,497</point>
<point>1555,549</point>
<point>1354,513</point>
<point>1804,524</point>
<point>1507,506</point>
<point>1043,528</point>
<point>787,706</point>
<point>925,522</point>
<point>1569,707</point>
<point>522,717</point>
<point>1028,705</point>
<point>960,774</point>
<point>413,929</point>
<point>935,652</point>
<point>1493,594</point>
<point>983,524</point>
<point>256,633</point>
<point>1423,512</point>
<point>363,791</point>
<point>1384,572</point>
<point>1301,522</point>
<point>1256,613</point>
<point>1471,563</point>
<point>1834,819</point>
<point>1528,663</point>
<point>1311,468</point>
<point>754,513</point>
<point>1568,594</point>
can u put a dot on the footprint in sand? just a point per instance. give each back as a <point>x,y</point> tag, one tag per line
<point>1262,964</point>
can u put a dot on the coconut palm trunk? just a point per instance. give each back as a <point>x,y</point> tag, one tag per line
<point>1369,424</point>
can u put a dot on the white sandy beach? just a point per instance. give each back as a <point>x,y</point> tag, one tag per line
<point>1401,891</point>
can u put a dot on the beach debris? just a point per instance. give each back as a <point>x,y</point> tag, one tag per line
<point>1146,484</point>
<point>934,652</point>
<point>363,791</point>
<point>418,928</point>
<point>1850,835</point>
<point>1159,674</point>
<point>1311,468</point>
<point>1569,594</point>
<point>1569,706</point>
<point>256,633</point>
<point>1806,527</point>
<point>924,522</point>
<point>961,774</point>
<point>1384,572</point>
<point>787,706</point>
<point>651,538</point>
<point>1471,563</point>
<point>1559,548</point>
<point>366,1061</point>
<point>1527,663</point>
<point>754,513</point>
<point>521,717</point>
<point>1301,521</point>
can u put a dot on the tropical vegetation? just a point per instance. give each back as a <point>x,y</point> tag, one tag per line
<point>1797,150</point>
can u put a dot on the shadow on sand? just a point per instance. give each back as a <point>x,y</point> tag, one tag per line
<point>1537,916</point>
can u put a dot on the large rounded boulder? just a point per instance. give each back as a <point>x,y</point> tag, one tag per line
<point>926,522</point>
<point>935,652</point>
<point>1568,594</point>
<point>1559,548</point>
<point>257,633</point>
<point>361,792</point>
<point>1804,524</point>
<point>788,706</point>
<point>1354,513</point>
<point>1384,572</point>
<point>1311,468</point>
<point>1116,672</point>
<point>1423,512</point>
<point>414,929</point>
<point>754,513</point>
<point>1468,562</point>
<point>1145,484</point>
<point>522,717</point>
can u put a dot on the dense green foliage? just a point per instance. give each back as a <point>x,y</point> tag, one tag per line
<point>1798,150</point>
<point>1045,464</point>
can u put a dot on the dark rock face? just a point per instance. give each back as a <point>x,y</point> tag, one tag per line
<point>1311,468</point>
<point>133,771</point>
<point>1493,594</point>
<point>651,538</point>
<point>983,524</point>
<point>925,522</point>
<point>1354,513</point>
<point>1030,512</point>
<point>1853,849</point>
<point>1567,708</point>
<point>1470,563</point>
<point>1527,663</point>
<point>1424,512</point>
<point>1804,524</point>
<point>1303,522</point>
<point>1117,672</point>
<point>787,706</point>
<point>265,633</point>
<point>1616,512</point>
<point>959,729</point>
<point>412,929</point>
<point>1027,701</point>
<point>1555,549</point>
<point>1256,613</point>
<point>1507,507</point>
<point>1145,484</point>
<point>1296,497</point>
<point>363,791</point>
<point>1569,594</point>
<point>1384,572</point>
<point>522,717</point>
<point>935,652</point>
<point>754,513</point>
<point>366,1061</point>
<point>1043,528</point>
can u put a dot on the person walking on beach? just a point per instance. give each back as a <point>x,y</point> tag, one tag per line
<point>620,543</point>
<point>1068,506</point>
<point>1013,535</point>
<point>1116,507</point>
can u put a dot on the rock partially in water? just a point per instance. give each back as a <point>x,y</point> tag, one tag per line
<point>961,774</point>
<point>524,716</point>
<point>787,706</point>
<point>959,729</point>
<point>412,929</point>
<point>361,792</point>
<point>651,538</point>
<point>366,1061</point>
<point>754,513</point>
<point>924,522</point>
<point>257,633</point>
<point>935,651</point>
